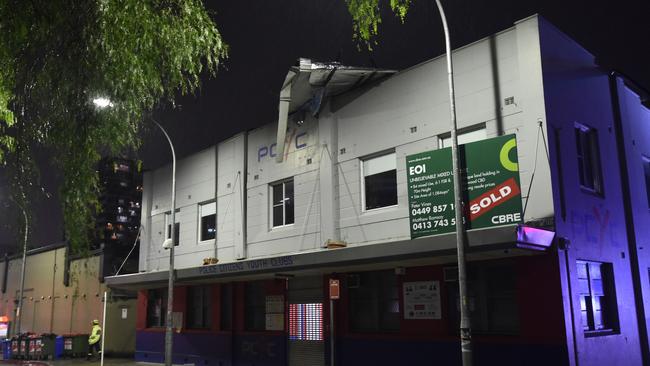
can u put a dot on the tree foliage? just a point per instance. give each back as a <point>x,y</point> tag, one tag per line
<point>57,56</point>
<point>366,17</point>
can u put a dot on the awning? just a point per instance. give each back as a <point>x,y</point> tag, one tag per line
<point>483,244</point>
<point>308,84</point>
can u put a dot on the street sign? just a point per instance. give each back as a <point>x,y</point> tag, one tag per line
<point>491,188</point>
<point>335,290</point>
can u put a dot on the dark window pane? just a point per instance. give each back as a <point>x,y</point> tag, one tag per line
<point>381,189</point>
<point>288,211</point>
<point>156,307</point>
<point>226,307</point>
<point>254,306</point>
<point>646,171</point>
<point>588,156</point>
<point>277,194</point>
<point>278,220</point>
<point>208,227</point>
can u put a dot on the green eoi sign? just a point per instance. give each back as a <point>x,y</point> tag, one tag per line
<point>491,188</point>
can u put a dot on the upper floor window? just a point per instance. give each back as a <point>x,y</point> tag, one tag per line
<point>379,181</point>
<point>589,170</point>
<point>208,221</point>
<point>646,172</point>
<point>177,226</point>
<point>282,203</point>
<point>597,297</point>
<point>464,136</point>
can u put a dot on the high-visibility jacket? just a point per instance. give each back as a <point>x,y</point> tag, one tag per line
<point>95,334</point>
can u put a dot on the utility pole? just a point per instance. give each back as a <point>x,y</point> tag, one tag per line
<point>461,237</point>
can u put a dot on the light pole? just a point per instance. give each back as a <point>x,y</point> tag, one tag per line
<point>22,271</point>
<point>170,245</point>
<point>461,239</point>
<point>102,103</point>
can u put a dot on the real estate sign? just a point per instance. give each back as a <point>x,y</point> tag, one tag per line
<point>490,187</point>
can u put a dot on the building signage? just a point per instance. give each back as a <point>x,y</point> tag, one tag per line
<point>252,265</point>
<point>422,300</point>
<point>294,139</point>
<point>491,192</point>
<point>335,289</point>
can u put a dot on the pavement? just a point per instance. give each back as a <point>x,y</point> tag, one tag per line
<point>74,361</point>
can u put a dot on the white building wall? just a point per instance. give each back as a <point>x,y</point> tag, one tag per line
<point>406,113</point>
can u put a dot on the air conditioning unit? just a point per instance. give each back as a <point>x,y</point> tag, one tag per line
<point>450,274</point>
<point>353,281</point>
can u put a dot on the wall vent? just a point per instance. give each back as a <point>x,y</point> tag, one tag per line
<point>509,100</point>
<point>414,129</point>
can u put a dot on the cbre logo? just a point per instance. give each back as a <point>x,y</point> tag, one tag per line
<point>294,139</point>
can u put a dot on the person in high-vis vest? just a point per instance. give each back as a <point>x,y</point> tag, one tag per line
<point>93,340</point>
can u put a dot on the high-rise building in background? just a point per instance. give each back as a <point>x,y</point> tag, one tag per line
<point>118,222</point>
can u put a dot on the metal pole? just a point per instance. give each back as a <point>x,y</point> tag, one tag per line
<point>22,272</point>
<point>170,284</point>
<point>465,325</point>
<point>103,328</point>
<point>331,332</point>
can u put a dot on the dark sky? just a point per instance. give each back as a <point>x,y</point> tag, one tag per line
<point>267,36</point>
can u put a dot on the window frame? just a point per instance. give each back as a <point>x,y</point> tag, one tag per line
<point>646,174</point>
<point>594,163</point>
<point>163,306</point>
<point>362,162</point>
<point>610,312</point>
<point>206,306</point>
<point>462,132</point>
<point>272,205</point>
<point>374,296</point>
<point>213,211</point>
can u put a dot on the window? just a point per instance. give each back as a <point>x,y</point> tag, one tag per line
<point>379,182</point>
<point>199,307</point>
<point>177,227</point>
<point>646,172</point>
<point>464,136</point>
<point>492,299</point>
<point>156,307</point>
<point>282,203</point>
<point>226,307</point>
<point>208,221</point>
<point>598,310</point>
<point>374,302</point>
<point>255,306</point>
<point>589,170</point>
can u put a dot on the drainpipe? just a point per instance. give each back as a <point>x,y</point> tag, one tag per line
<point>283,115</point>
<point>629,219</point>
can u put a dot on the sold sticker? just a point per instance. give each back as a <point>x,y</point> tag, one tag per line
<point>493,198</point>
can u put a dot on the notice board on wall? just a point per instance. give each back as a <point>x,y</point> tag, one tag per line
<point>422,300</point>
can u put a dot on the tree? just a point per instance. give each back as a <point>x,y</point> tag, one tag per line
<point>366,17</point>
<point>56,56</point>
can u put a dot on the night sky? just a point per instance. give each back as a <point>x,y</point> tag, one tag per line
<point>266,37</point>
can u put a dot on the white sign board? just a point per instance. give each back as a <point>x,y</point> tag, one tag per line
<point>125,312</point>
<point>275,312</point>
<point>422,300</point>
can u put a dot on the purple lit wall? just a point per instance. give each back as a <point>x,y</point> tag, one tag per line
<point>577,91</point>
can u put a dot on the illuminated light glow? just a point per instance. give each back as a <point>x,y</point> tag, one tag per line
<point>102,102</point>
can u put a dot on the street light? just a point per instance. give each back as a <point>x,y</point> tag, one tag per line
<point>102,103</point>
<point>22,271</point>
<point>465,324</point>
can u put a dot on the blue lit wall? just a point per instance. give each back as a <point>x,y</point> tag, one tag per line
<point>577,91</point>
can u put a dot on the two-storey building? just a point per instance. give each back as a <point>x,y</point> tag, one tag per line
<point>322,195</point>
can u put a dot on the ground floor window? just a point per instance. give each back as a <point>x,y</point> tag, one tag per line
<point>255,306</point>
<point>226,306</point>
<point>492,299</point>
<point>373,301</point>
<point>156,307</point>
<point>199,307</point>
<point>598,307</point>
